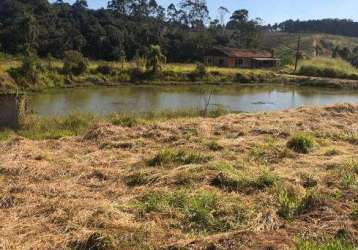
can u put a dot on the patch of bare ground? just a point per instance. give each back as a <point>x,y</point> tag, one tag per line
<point>233,182</point>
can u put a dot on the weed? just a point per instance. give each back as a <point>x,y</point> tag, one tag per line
<point>328,245</point>
<point>268,153</point>
<point>124,120</point>
<point>214,146</point>
<point>235,182</point>
<point>288,202</point>
<point>137,179</point>
<point>201,211</point>
<point>354,214</point>
<point>308,181</point>
<point>291,205</point>
<point>301,143</point>
<point>95,241</point>
<point>331,152</point>
<point>170,156</point>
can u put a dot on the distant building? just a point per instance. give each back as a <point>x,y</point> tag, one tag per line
<point>231,57</point>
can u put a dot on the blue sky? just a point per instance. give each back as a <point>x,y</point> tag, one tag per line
<point>276,10</point>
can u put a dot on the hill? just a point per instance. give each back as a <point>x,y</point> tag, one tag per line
<point>286,43</point>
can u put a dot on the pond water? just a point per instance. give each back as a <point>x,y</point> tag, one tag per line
<point>106,100</point>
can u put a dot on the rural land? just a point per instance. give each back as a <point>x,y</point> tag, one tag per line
<point>205,177</point>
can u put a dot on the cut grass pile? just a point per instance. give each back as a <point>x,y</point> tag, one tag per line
<point>229,182</point>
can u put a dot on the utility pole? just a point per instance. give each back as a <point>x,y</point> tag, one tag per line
<point>298,51</point>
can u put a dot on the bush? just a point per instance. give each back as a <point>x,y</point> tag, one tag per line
<point>29,71</point>
<point>199,72</point>
<point>301,143</point>
<point>105,69</point>
<point>74,63</point>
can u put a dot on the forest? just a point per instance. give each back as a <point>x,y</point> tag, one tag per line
<point>126,28</point>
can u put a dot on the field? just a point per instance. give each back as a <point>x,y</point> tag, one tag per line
<point>281,180</point>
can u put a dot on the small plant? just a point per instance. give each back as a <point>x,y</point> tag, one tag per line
<point>214,146</point>
<point>331,152</point>
<point>291,204</point>
<point>244,183</point>
<point>137,179</point>
<point>354,214</point>
<point>170,156</point>
<point>95,241</point>
<point>336,244</point>
<point>124,120</point>
<point>301,143</point>
<point>288,202</point>
<point>74,63</point>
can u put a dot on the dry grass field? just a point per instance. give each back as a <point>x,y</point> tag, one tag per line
<point>281,180</point>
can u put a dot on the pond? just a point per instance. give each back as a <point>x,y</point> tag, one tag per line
<point>250,98</point>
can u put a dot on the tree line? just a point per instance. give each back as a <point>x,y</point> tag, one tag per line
<point>344,27</point>
<point>124,29</point>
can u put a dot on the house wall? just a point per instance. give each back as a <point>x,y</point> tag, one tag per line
<point>219,61</point>
<point>231,62</point>
<point>12,108</point>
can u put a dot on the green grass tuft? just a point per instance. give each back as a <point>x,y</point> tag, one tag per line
<point>301,143</point>
<point>171,156</point>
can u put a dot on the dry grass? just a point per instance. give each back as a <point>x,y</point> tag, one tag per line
<point>99,191</point>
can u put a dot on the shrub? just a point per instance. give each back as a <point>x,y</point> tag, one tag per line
<point>199,72</point>
<point>301,143</point>
<point>74,63</point>
<point>29,71</point>
<point>105,69</point>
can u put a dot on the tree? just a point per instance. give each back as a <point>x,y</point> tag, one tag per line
<point>196,12</point>
<point>122,7</point>
<point>155,59</point>
<point>81,4</point>
<point>223,11</point>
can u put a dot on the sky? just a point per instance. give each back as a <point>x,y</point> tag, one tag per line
<point>272,11</point>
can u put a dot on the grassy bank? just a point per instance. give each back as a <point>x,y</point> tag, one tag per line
<point>328,67</point>
<point>77,124</point>
<point>49,74</point>
<point>281,180</point>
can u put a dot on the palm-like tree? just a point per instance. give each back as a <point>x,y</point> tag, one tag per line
<point>155,59</point>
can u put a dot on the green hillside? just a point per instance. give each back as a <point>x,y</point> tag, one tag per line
<point>286,43</point>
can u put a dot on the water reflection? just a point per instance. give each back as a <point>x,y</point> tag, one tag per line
<point>147,98</point>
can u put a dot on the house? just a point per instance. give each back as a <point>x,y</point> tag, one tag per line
<point>231,57</point>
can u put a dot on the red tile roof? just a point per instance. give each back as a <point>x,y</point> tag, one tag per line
<point>233,52</point>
